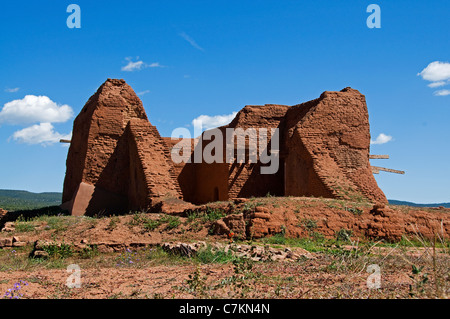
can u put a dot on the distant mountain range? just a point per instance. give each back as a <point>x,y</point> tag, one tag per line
<point>22,200</point>
<point>400,202</point>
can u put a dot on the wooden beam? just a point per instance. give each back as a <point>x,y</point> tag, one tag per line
<point>377,169</point>
<point>65,141</point>
<point>378,156</point>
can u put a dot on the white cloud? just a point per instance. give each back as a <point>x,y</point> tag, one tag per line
<point>191,41</point>
<point>33,109</point>
<point>442,92</point>
<point>139,65</point>
<point>143,92</point>
<point>133,66</point>
<point>437,84</point>
<point>381,139</point>
<point>206,122</point>
<point>43,133</point>
<point>12,90</point>
<point>155,65</point>
<point>436,71</point>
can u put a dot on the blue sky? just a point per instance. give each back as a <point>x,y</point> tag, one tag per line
<point>195,58</point>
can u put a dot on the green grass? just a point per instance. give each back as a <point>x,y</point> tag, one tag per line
<point>211,255</point>
<point>170,221</point>
<point>149,224</point>
<point>210,215</point>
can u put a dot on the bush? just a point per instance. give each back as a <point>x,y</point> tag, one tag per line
<point>343,234</point>
<point>59,251</point>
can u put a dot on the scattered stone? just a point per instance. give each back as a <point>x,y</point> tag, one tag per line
<point>6,242</point>
<point>9,227</point>
<point>264,253</point>
<point>184,249</point>
<point>40,254</point>
<point>220,228</point>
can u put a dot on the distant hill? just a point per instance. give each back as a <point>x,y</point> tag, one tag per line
<point>22,200</point>
<point>12,200</point>
<point>399,202</point>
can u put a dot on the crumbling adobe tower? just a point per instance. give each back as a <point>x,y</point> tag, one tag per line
<point>117,160</point>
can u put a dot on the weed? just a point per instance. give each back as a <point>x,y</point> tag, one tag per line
<point>197,283</point>
<point>209,215</point>
<point>23,226</point>
<point>171,221</point>
<point>419,280</point>
<point>343,235</point>
<point>309,224</point>
<point>354,210</point>
<point>277,239</point>
<point>151,224</point>
<point>59,251</point>
<point>137,220</point>
<point>210,255</point>
<point>114,221</point>
<point>89,252</point>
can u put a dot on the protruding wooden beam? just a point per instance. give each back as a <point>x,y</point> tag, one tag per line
<point>377,169</point>
<point>65,141</point>
<point>378,156</point>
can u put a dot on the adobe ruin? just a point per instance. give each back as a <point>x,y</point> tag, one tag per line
<point>118,161</point>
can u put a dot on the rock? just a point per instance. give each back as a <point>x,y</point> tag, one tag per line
<point>236,224</point>
<point>6,242</point>
<point>220,228</point>
<point>262,209</point>
<point>102,248</point>
<point>40,254</point>
<point>184,249</point>
<point>261,215</point>
<point>9,227</point>
<point>40,244</point>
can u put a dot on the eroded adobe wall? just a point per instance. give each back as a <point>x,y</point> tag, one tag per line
<point>245,179</point>
<point>152,175</point>
<point>93,156</point>
<point>222,181</point>
<point>328,143</point>
<point>117,160</point>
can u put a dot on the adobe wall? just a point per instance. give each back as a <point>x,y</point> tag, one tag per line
<point>118,161</point>
<point>328,142</point>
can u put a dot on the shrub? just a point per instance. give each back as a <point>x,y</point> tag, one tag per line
<point>59,251</point>
<point>343,234</point>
